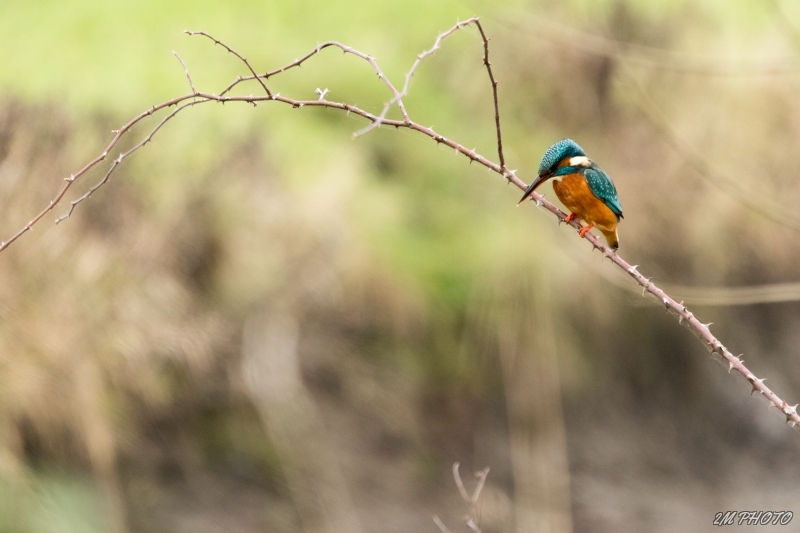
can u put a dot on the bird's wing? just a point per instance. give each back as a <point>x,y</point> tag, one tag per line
<point>602,187</point>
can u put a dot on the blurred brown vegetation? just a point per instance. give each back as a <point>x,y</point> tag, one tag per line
<point>293,331</point>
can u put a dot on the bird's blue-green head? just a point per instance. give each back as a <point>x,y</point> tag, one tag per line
<point>565,149</point>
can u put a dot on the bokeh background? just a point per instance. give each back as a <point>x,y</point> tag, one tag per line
<point>261,324</point>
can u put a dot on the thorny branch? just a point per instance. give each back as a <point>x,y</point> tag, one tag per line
<point>398,97</point>
<point>232,51</point>
<point>684,316</point>
<point>494,95</point>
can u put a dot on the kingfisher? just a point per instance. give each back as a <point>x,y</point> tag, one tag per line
<point>583,188</point>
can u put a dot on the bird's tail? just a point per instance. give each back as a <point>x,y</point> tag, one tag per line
<point>611,238</point>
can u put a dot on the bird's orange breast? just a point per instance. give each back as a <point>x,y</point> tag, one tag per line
<point>574,192</point>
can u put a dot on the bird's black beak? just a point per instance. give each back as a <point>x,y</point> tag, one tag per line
<point>541,178</point>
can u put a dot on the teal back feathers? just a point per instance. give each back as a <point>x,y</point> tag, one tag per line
<point>602,187</point>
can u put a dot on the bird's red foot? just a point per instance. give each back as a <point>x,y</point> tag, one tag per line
<point>585,230</point>
<point>570,218</point>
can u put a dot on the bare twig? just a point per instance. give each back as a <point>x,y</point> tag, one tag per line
<point>494,95</point>
<point>185,69</point>
<point>432,50</point>
<point>682,313</point>
<point>460,484</point>
<point>472,519</point>
<point>476,495</point>
<point>398,97</point>
<point>68,181</point>
<point>232,51</point>
<point>298,62</point>
<point>122,156</point>
<point>442,527</point>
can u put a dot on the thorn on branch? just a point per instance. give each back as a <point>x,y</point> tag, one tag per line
<point>755,383</point>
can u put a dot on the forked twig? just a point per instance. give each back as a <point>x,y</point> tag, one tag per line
<point>683,315</point>
<point>473,518</point>
<point>234,52</point>
<point>123,155</point>
<point>298,62</point>
<point>398,98</point>
<point>68,181</point>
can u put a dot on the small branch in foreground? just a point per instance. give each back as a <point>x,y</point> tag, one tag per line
<point>473,518</point>
<point>684,316</point>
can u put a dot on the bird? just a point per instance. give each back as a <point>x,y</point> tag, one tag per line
<point>582,187</point>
